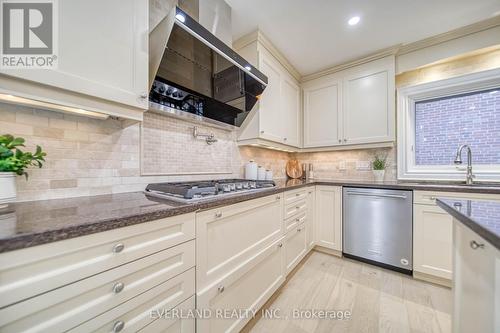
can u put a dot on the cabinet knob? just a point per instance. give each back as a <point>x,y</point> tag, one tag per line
<point>218,214</point>
<point>280,245</point>
<point>297,207</point>
<point>118,248</point>
<point>340,140</point>
<point>297,194</point>
<point>278,197</point>
<point>220,289</point>
<point>345,140</point>
<point>433,198</point>
<point>475,245</point>
<point>299,229</point>
<point>261,132</point>
<point>284,139</point>
<point>118,326</point>
<point>144,95</point>
<point>118,287</point>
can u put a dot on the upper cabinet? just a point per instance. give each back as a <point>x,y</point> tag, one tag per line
<point>352,107</point>
<point>102,60</point>
<point>322,112</point>
<point>277,117</point>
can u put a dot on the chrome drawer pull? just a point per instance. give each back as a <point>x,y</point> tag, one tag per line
<point>220,289</point>
<point>118,326</point>
<point>297,207</point>
<point>278,197</point>
<point>280,245</point>
<point>297,194</point>
<point>118,287</point>
<point>299,229</point>
<point>475,245</point>
<point>118,248</point>
<point>218,214</point>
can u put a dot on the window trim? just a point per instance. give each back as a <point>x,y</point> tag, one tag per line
<point>406,99</point>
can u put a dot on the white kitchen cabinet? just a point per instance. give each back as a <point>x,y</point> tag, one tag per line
<point>476,284</point>
<point>328,219</point>
<point>246,288</point>
<point>322,112</point>
<point>432,241</point>
<point>102,60</point>
<point>295,246</point>
<point>311,216</point>
<point>369,103</point>
<point>432,235</point>
<point>228,236</point>
<point>184,324</point>
<point>355,106</point>
<point>276,118</point>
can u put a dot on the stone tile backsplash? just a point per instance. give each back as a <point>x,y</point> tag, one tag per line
<point>91,157</point>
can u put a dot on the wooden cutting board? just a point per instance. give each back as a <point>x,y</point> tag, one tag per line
<point>293,169</point>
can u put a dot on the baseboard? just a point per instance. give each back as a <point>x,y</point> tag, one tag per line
<point>327,251</point>
<point>432,279</point>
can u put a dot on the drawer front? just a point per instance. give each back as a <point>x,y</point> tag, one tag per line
<point>429,197</point>
<point>138,312</point>
<point>76,303</point>
<point>295,208</point>
<point>295,247</point>
<point>248,288</point>
<point>173,324</point>
<point>33,271</point>
<point>294,221</point>
<point>238,233</point>
<point>295,195</point>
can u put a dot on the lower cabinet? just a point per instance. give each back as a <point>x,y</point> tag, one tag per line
<point>295,246</point>
<point>432,241</point>
<point>328,217</point>
<point>246,288</point>
<point>178,322</point>
<point>476,282</point>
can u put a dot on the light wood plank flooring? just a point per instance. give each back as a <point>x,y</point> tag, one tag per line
<point>380,300</point>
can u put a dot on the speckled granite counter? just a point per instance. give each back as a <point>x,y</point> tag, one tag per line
<point>483,217</point>
<point>33,223</point>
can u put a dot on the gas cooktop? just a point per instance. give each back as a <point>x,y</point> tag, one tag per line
<point>200,190</point>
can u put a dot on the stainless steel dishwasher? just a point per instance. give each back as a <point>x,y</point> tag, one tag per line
<point>377,227</point>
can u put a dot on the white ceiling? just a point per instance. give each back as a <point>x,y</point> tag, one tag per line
<point>314,35</point>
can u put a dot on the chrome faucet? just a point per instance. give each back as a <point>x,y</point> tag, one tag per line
<point>469,180</point>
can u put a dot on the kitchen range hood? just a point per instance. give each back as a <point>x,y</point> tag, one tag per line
<point>199,76</point>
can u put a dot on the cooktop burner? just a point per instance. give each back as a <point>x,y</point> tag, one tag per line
<point>199,190</point>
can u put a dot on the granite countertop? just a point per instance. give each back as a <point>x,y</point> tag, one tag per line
<point>39,222</point>
<point>483,217</point>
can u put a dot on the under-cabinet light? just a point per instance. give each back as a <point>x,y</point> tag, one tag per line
<point>51,106</point>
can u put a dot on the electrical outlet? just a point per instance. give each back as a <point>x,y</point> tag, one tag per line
<point>362,165</point>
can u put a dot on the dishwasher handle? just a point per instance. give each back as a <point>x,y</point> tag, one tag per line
<point>368,194</point>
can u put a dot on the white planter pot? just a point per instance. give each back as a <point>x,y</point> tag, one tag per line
<point>379,175</point>
<point>7,188</point>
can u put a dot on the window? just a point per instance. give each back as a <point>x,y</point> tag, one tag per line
<point>434,119</point>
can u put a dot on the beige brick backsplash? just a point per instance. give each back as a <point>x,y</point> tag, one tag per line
<point>91,157</point>
<point>63,183</point>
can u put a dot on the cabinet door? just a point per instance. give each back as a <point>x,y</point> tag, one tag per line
<point>246,288</point>
<point>369,104</point>
<point>432,241</point>
<point>270,110</point>
<point>102,53</point>
<point>322,105</point>
<point>476,283</point>
<point>311,214</point>
<point>290,103</point>
<point>295,246</point>
<point>328,228</point>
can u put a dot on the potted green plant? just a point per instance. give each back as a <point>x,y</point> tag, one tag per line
<point>379,164</point>
<point>14,161</point>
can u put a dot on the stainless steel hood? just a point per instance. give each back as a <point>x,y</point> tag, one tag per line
<point>193,72</point>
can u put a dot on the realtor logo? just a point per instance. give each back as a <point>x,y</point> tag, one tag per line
<point>28,34</point>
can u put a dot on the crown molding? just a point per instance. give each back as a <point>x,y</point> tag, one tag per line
<point>264,41</point>
<point>450,35</point>
<point>371,57</point>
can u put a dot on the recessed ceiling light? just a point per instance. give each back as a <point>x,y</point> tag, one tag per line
<point>180,17</point>
<point>354,20</point>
